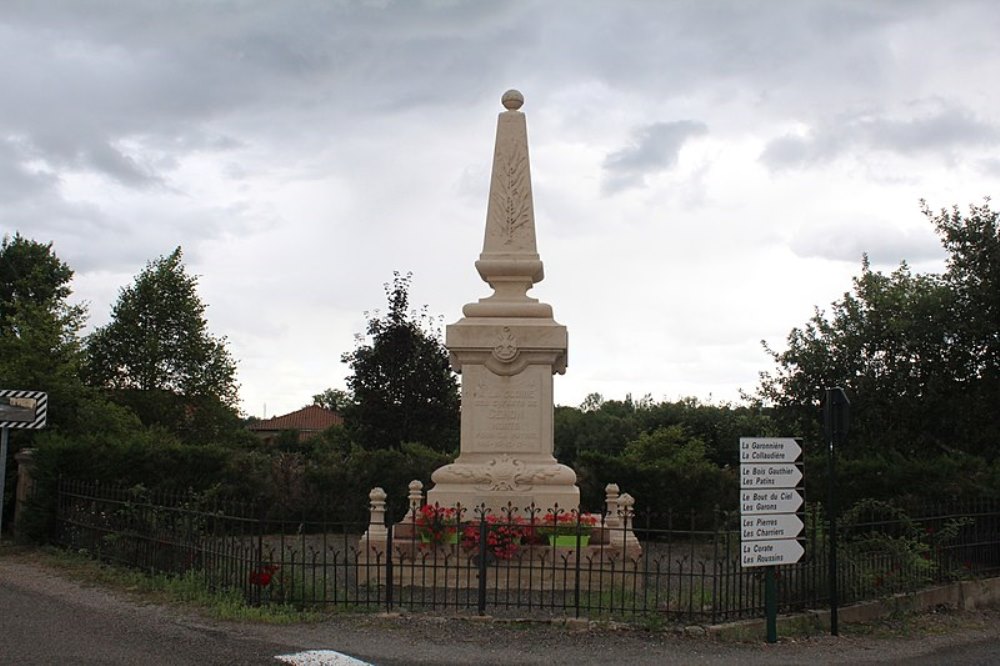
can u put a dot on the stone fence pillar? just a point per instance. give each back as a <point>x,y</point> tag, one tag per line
<point>376,528</point>
<point>25,485</point>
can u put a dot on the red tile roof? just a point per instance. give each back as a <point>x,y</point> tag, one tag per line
<point>308,419</point>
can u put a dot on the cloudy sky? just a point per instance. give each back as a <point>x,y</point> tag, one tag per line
<point>704,172</point>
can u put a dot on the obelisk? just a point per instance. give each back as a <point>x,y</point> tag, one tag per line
<point>507,348</point>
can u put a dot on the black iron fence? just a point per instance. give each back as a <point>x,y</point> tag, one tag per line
<point>504,565</point>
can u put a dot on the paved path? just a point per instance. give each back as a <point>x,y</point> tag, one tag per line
<point>45,619</point>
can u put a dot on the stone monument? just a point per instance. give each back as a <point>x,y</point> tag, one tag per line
<point>507,348</point>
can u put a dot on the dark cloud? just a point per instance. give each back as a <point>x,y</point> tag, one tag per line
<point>944,131</point>
<point>18,180</point>
<point>884,245</point>
<point>655,147</point>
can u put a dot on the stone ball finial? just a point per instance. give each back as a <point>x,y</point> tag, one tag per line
<point>512,100</point>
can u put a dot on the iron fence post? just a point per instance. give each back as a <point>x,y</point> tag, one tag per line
<point>389,582</point>
<point>481,601</point>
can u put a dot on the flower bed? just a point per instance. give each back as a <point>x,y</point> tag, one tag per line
<point>504,536</point>
<point>563,529</point>
<point>437,525</point>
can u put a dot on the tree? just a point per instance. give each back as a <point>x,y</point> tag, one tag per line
<point>886,344</point>
<point>30,273</point>
<point>403,386</point>
<point>973,275</point>
<point>39,330</point>
<point>336,400</point>
<point>39,343</point>
<point>669,473</point>
<point>917,353</point>
<point>157,356</point>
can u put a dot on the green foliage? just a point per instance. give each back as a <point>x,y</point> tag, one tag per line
<point>157,357</point>
<point>336,400</point>
<point>886,345</point>
<point>667,471</point>
<point>190,588</point>
<point>608,425</point>
<point>891,552</point>
<point>403,387</point>
<point>891,474</point>
<point>973,351</point>
<point>919,356</point>
<point>349,483</point>
<point>30,273</point>
<point>39,345</point>
<point>600,430</point>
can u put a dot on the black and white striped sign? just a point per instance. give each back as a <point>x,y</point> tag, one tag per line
<point>23,409</point>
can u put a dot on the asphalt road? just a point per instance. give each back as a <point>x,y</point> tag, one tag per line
<point>46,619</point>
<point>38,627</point>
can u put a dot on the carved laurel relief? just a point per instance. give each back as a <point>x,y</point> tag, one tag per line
<point>510,192</point>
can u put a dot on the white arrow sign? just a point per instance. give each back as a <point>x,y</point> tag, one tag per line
<point>782,500</point>
<point>771,553</point>
<point>769,450</point>
<point>766,476</point>
<point>771,526</point>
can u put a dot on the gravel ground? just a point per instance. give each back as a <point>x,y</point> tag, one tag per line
<point>423,639</point>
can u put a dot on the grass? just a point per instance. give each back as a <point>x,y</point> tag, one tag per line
<point>187,590</point>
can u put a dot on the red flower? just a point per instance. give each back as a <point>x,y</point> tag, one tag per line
<point>567,523</point>
<point>503,535</point>
<point>436,524</point>
<point>262,574</point>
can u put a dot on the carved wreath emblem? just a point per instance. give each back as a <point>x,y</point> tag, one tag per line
<point>505,349</point>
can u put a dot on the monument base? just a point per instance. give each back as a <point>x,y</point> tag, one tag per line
<point>504,485</point>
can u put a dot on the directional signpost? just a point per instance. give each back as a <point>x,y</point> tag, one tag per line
<point>769,501</point>
<point>18,409</point>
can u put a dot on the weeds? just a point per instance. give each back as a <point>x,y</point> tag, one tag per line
<point>188,589</point>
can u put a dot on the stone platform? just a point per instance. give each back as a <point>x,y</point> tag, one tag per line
<point>610,559</point>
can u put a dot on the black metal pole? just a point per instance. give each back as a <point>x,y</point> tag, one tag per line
<point>389,572</point>
<point>836,415</point>
<point>832,508</point>
<point>481,605</point>
<point>3,472</point>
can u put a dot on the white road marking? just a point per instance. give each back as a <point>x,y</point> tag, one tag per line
<point>321,658</point>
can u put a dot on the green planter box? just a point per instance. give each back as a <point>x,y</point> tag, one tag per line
<point>568,540</point>
<point>444,540</point>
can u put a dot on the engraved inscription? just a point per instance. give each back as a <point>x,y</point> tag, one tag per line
<point>507,414</point>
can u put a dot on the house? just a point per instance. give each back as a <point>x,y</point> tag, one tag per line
<point>308,421</point>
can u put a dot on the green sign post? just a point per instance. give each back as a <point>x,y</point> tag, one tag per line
<point>769,522</point>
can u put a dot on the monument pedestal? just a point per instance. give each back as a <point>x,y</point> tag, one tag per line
<point>507,418</point>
